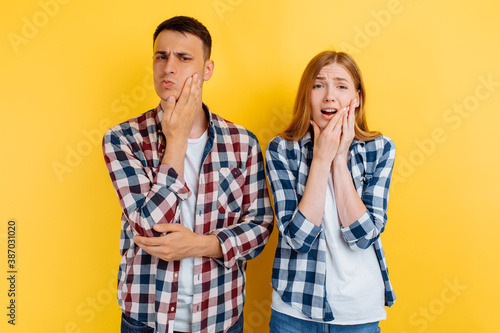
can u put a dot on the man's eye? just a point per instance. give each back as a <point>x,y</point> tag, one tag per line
<point>185,58</point>
<point>160,58</point>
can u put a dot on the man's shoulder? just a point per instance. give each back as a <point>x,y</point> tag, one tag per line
<point>229,130</point>
<point>137,123</point>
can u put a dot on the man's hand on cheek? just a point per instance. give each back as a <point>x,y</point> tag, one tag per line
<point>178,116</point>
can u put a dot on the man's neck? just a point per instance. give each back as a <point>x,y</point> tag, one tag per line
<point>200,124</point>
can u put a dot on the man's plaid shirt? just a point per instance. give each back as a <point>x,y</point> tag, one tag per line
<point>299,270</point>
<point>232,203</point>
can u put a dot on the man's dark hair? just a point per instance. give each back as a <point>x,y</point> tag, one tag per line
<point>184,24</point>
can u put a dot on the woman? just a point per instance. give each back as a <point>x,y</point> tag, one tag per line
<point>330,179</point>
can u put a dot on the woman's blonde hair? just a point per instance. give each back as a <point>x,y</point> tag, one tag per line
<point>302,108</point>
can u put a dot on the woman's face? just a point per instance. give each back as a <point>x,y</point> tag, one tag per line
<point>332,90</point>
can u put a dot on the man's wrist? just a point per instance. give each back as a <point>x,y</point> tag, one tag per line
<point>209,246</point>
<point>174,156</point>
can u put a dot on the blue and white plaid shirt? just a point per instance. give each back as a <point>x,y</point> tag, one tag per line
<point>299,270</point>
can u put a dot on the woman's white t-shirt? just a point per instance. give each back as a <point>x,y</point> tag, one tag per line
<point>354,284</point>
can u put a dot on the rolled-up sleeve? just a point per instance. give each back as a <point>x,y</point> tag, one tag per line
<point>145,199</point>
<point>375,195</point>
<point>297,231</point>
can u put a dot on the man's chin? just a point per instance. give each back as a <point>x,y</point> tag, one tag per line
<point>165,94</point>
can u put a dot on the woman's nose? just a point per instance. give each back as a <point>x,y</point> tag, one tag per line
<point>329,95</point>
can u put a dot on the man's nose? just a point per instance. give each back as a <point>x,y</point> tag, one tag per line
<point>170,66</point>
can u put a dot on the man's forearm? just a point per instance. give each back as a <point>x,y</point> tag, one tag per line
<point>174,156</point>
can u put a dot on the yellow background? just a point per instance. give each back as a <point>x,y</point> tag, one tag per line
<point>71,69</point>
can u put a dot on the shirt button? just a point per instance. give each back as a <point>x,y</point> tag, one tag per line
<point>172,309</point>
<point>163,150</point>
<point>176,275</point>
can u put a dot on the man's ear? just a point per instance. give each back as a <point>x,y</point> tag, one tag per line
<point>209,70</point>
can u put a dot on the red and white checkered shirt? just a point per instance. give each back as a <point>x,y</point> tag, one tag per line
<point>232,203</point>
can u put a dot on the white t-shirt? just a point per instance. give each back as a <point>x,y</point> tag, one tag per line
<point>192,165</point>
<point>354,284</point>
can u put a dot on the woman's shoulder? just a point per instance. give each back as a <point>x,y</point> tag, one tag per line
<point>376,150</point>
<point>380,143</point>
<point>281,143</point>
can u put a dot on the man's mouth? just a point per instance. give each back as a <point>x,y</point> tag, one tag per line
<point>328,111</point>
<point>167,83</point>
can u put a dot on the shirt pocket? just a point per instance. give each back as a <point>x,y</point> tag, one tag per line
<point>230,192</point>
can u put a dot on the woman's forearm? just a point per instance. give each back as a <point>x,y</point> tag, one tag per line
<point>312,204</point>
<point>349,205</point>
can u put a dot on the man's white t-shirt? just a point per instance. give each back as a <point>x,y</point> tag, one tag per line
<point>192,165</point>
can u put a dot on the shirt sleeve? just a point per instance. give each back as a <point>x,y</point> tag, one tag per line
<point>297,231</point>
<point>247,238</point>
<point>366,230</point>
<point>145,199</point>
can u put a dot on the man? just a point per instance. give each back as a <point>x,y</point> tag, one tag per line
<point>193,194</point>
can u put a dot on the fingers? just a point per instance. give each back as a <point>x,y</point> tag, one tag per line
<point>190,94</point>
<point>316,129</point>
<point>183,98</point>
<point>333,122</point>
<point>159,227</point>
<point>167,227</point>
<point>142,241</point>
<point>179,115</point>
<point>169,107</point>
<point>345,122</point>
<point>178,244</point>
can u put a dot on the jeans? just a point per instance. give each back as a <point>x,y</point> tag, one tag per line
<point>281,323</point>
<point>130,325</point>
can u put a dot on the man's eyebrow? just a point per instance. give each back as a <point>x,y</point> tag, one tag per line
<point>161,52</point>
<point>183,53</point>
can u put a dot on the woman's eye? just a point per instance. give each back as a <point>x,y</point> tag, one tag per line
<point>316,86</point>
<point>342,87</point>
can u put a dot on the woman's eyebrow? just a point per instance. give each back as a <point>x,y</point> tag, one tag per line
<point>336,78</point>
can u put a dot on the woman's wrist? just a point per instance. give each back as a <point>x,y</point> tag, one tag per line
<point>340,159</point>
<point>321,165</point>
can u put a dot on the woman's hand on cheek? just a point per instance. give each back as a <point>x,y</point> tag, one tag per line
<point>326,141</point>
<point>347,131</point>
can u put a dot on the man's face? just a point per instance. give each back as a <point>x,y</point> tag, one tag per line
<point>176,57</point>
